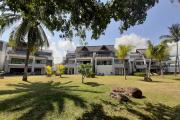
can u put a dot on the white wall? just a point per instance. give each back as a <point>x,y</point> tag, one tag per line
<point>2,55</point>
<point>106,69</point>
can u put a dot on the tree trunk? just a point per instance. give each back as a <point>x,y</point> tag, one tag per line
<point>125,70</point>
<point>60,76</point>
<point>161,68</point>
<point>26,66</point>
<point>149,69</point>
<point>177,58</point>
<point>82,79</point>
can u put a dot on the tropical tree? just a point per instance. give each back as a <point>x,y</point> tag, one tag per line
<point>149,53</point>
<point>29,34</point>
<point>174,36</point>
<point>161,53</point>
<point>60,70</point>
<point>85,70</point>
<point>121,53</point>
<point>74,16</point>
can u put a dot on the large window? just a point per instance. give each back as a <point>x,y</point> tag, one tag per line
<point>104,62</point>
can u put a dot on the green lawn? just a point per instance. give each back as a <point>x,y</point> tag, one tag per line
<point>68,99</point>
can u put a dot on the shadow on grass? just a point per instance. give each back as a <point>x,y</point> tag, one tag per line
<point>178,79</point>
<point>150,111</point>
<point>98,113</point>
<point>39,98</point>
<point>93,84</point>
<point>154,81</point>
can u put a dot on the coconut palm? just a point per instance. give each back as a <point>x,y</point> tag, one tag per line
<point>174,36</point>
<point>121,53</point>
<point>161,53</point>
<point>149,53</point>
<point>29,34</point>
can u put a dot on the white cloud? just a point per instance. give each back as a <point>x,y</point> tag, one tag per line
<point>132,39</point>
<point>60,48</point>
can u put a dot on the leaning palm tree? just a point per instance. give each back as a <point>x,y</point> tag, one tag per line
<point>149,53</point>
<point>161,54</point>
<point>121,53</point>
<point>174,37</point>
<point>29,34</point>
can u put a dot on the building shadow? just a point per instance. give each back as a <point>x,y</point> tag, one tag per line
<point>97,113</point>
<point>93,84</point>
<point>39,98</point>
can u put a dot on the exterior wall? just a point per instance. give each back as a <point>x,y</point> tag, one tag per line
<point>105,69</point>
<point>3,46</point>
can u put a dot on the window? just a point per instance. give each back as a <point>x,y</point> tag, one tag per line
<point>19,61</point>
<point>39,61</point>
<point>104,62</point>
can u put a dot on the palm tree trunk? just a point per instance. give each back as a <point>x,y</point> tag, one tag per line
<point>177,57</point>
<point>161,69</point>
<point>26,66</point>
<point>82,79</point>
<point>149,69</point>
<point>125,70</point>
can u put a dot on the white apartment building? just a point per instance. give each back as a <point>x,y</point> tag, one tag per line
<point>104,61</point>
<point>15,61</point>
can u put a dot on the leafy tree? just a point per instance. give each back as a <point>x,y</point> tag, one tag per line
<point>174,36</point>
<point>60,70</point>
<point>72,17</point>
<point>161,53</point>
<point>48,70</point>
<point>28,34</point>
<point>85,70</point>
<point>149,53</point>
<point>121,53</point>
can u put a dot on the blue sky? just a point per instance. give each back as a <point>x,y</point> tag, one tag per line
<point>161,16</point>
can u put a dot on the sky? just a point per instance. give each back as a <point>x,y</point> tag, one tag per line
<point>159,18</point>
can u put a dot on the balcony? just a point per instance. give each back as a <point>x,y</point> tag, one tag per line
<point>84,55</point>
<point>104,54</point>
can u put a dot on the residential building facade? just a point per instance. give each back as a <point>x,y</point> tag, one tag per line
<point>104,61</point>
<point>14,61</point>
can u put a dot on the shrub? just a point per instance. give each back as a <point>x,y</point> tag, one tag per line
<point>48,71</point>
<point>60,70</point>
<point>86,71</point>
<point>141,74</point>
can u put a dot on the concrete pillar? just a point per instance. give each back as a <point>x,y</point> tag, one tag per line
<point>33,64</point>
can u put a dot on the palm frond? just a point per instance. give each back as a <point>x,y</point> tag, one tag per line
<point>43,36</point>
<point>7,20</point>
<point>21,32</point>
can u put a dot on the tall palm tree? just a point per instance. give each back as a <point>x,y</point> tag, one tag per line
<point>161,53</point>
<point>174,36</point>
<point>121,53</point>
<point>149,53</point>
<point>29,33</point>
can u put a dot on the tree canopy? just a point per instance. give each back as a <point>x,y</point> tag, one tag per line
<point>71,17</point>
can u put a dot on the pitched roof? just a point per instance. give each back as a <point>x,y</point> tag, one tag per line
<point>95,48</point>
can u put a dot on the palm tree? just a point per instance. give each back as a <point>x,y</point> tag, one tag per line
<point>161,53</point>
<point>29,33</point>
<point>149,53</point>
<point>121,53</point>
<point>174,37</point>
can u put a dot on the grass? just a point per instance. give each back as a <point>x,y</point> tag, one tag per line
<point>67,98</point>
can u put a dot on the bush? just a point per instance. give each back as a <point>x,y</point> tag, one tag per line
<point>141,74</point>
<point>91,75</point>
<point>49,71</point>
